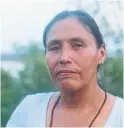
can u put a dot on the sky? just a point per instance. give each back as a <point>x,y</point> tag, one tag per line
<point>25,20</point>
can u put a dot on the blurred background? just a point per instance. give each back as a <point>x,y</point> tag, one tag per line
<point>23,67</point>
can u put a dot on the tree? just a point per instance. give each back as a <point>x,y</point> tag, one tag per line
<point>111,76</point>
<point>34,78</point>
<point>10,96</point>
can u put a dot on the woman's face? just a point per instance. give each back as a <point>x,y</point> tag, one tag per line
<point>72,55</point>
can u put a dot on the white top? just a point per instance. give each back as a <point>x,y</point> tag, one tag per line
<point>31,112</point>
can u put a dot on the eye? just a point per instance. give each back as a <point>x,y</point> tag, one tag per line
<point>77,45</point>
<point>77,42</point>
<point>54,48</point>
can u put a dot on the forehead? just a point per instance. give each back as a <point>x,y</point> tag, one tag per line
<point>68,28</point>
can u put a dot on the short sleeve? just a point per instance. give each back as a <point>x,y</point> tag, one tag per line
<point>19,116</point>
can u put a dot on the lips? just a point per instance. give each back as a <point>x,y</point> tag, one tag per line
<point>65,72</point>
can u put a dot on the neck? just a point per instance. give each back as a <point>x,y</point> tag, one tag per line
<point>86,97</point>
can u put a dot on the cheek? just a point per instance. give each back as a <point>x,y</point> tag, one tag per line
<point>87,58</point>
<point>51,60</point>
<point>87,61</point>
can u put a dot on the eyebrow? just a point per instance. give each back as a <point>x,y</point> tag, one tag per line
<point>57,41</point>
<point>76,39</point>
<point>54,41</point>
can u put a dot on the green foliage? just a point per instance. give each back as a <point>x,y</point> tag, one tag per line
<point>10,96</point>
<point>35,78</point>
<point>32,79</point>
<point>111,76</point>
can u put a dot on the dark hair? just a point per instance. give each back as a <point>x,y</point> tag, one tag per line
<point>83,17</point>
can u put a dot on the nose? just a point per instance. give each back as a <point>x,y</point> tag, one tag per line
<point>65,55</point>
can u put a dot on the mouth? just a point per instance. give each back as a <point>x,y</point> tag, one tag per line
<point>65,73</point>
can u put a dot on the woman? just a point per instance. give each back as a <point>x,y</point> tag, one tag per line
<point>74,52</point>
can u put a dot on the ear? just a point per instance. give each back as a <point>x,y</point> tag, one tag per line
<point>101,54</point>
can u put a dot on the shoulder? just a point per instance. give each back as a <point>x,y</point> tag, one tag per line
<point>120,100</point>
<point>116,115</point>
<point>37,98</point>
<point>119,105</point>
<point>34,99</point>
<point>20,114</point>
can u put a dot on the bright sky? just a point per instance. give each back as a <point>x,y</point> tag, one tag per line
<point>24,20</point>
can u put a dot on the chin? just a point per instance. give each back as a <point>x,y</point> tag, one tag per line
<point>67,86</point>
